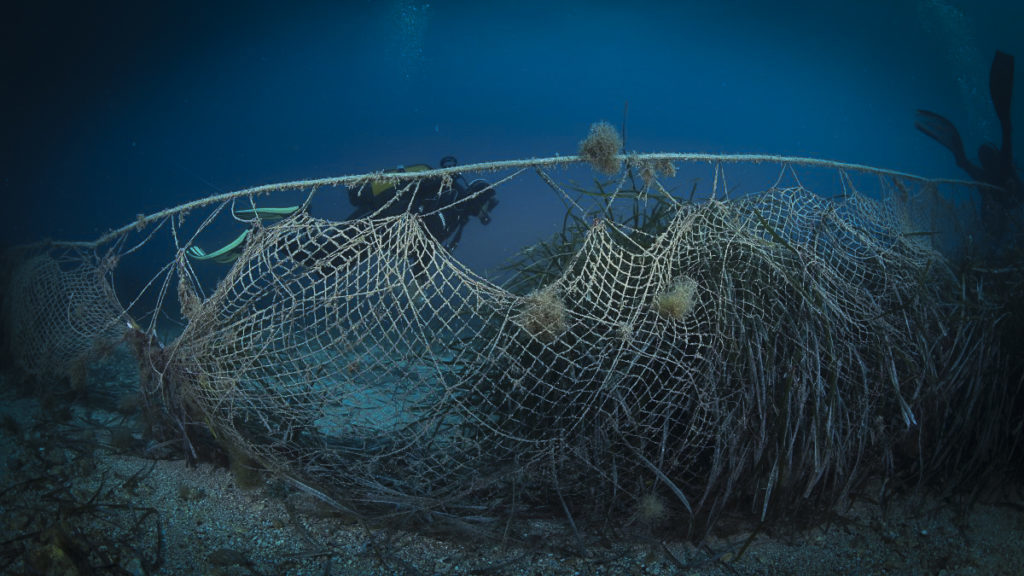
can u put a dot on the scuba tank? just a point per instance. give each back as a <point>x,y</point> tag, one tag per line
<point>371,196</point>
<point>446,210</point>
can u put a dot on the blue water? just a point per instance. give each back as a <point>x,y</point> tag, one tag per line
<point>135,106</point>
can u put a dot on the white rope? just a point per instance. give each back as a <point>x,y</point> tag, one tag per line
<point>358,179</point>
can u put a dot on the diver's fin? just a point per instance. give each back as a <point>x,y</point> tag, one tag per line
<point>1000,85</point>
<point>944,132</point>
<point>267,214</point>
<point>225,255</point>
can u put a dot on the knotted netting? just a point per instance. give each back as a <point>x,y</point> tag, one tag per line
<point>755,350</point>
<point>60,311</point>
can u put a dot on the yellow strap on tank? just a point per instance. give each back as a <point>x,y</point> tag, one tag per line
<point>381,186</point>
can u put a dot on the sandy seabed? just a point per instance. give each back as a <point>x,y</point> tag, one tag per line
<point>77,499</point>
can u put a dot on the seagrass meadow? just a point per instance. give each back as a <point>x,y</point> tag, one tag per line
<point>676,353</point>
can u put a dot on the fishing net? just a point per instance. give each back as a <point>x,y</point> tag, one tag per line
<point>60,311</point>
<point>660,356</point>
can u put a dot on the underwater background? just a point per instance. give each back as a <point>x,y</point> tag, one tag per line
<point>117,108</point>
<point>165,414</point>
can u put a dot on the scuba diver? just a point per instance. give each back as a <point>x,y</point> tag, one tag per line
<point>995,166</point>
<point>446,210</point>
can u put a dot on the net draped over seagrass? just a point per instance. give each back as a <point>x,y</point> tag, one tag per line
<point>757,349</point>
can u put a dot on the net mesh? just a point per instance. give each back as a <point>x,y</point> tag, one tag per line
<point>749,351</point>
<point>60,311</point>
